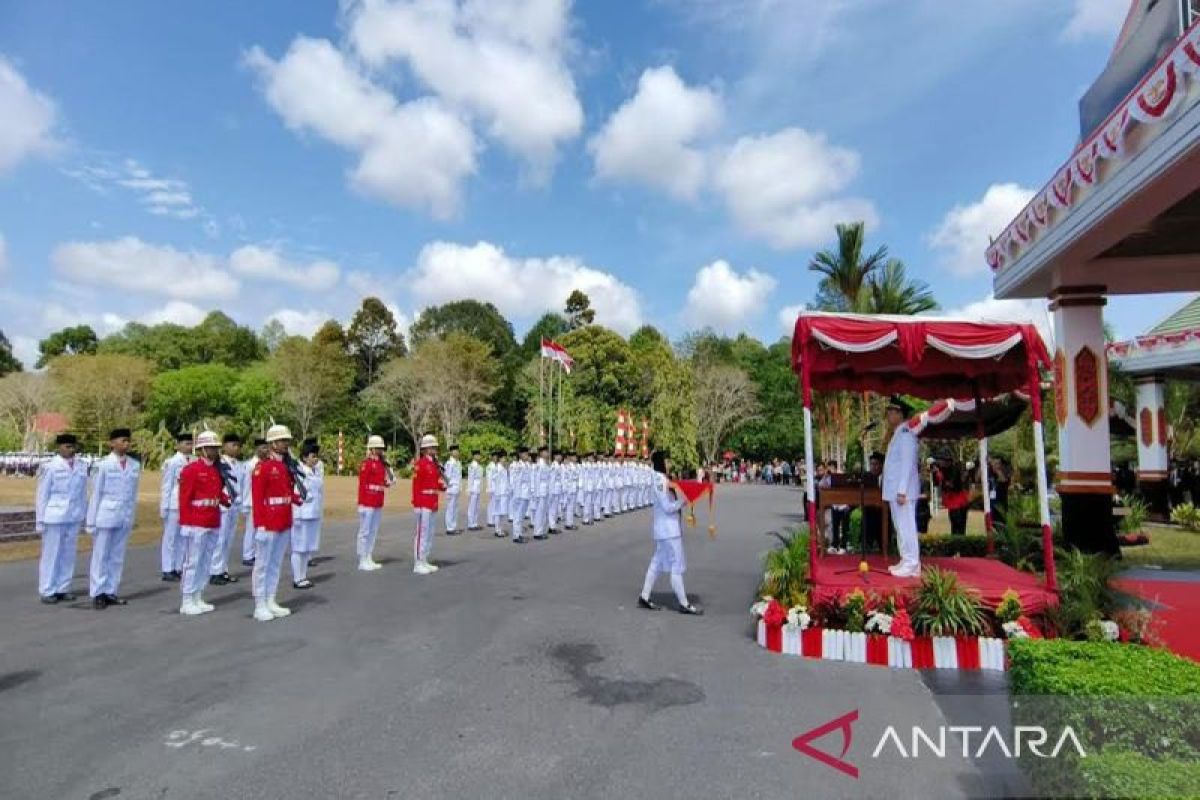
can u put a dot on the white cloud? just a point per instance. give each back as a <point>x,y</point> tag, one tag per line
<point>990,309</point>
<point>135,266</point>
<point>784,187</point>
<point>787,317</point>
<point>519,287</point>
<point>963,234</point>
<point>28,118</point>
<point>253,261</point>
<point>723,299</point>
<point>500,61</point>
<point>25,348</point>
<point>299,323</point>
<point>652,138</point>
<point>179,312</point>
<point>414,155</point>
<point>1101,18</point>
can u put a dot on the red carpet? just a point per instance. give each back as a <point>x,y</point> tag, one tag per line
<point>1177,606</point>
<point>990,577</point>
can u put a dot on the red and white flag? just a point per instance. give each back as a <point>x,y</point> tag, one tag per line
<point>555,352</point>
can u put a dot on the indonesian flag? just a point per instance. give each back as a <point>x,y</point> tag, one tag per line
<point>692,492</point>
<point>555,352</point>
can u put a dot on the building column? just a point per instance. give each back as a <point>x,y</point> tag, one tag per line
<point>1081,409</point>
<point>1153,456</point>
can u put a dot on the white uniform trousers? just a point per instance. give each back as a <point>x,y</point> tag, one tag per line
<point>57,564</point>
<point>905,519</point>
<point>451,511</point>
<point>597,505</point>
<point>423,534</point>
<point>108,559</point>
<point>368,529</point>
<point>174,549</point>
<point>199,544</point>
<point>473,510</point>
<point>220,557</point>
<point>585,504</point>
<point>269,548</point>
<point>570,510</point>
<point>516,515</point>
<point>540,519</point>
<point>306,540</point>
<point>248,537</point>
<point>492,507</point>
<point>552,509</point>
<point>502,501</point>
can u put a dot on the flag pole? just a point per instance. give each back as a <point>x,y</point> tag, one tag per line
<point>541,394</point>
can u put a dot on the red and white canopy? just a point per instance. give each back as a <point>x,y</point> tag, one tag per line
<point>921,356</point>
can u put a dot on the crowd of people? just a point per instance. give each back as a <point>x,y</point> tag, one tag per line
<point>207,489</point>
<point>775,472</point>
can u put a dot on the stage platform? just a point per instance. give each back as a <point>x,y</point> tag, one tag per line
<point>991,578</point>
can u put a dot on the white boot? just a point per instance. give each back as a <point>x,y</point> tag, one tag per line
<point>364,564</point>
<point>204,607</point>
<point>188,607</point>
<point>276,609</point>
<point>421,568</point>
<point>261,612</point>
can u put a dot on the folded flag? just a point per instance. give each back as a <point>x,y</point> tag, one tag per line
<point>693,491</point>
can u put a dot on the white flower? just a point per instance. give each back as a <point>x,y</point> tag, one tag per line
<point>1111,631</point>
<point>879,622</point>
<point>797,617</point>
<point>1013,630</point>
<point>759,608</point>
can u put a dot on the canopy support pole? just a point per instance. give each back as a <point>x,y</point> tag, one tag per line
<point>981,435</point>
<point>810,486</point>
<point>1039,451</point>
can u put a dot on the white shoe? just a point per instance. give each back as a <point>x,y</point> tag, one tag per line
<point>262,613</point>
<point>421,568</point>
<point>364,565</point>
<point>203,606</point>
<point>908,572</point>
<point>276,609</point>
<point>189,607</point>
<point>894,568</point>
<point>429,565</point>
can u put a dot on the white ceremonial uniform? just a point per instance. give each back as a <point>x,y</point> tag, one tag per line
<point>570,494</point>
<point>110,517</point>
<point>900,477</point>
<point>219,565</point>
<point>503,488</point>
<point>174,547</point>
<point>541,494</point>
<point>452,470</point>
<point>587,473</point>
<point>520,477</point>
<point>554,496</point>
<point>306,520</point>
<point>474,487</point>
<point>668,541</point>
<point>489,486</point>
<point>60,510</point>
<point>247,502</point>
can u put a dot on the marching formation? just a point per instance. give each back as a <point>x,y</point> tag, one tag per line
<point>207,488</point>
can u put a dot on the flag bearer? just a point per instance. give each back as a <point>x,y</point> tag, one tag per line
<point>110,517</point>
<point>373,479</point>
<point>427,482</point>
<point>474,486</point>
<point>232,467</point>
<point>452,472</point>
<point>668,540</point>
<point>306,527</point>
<point>274,496</point>
<point>202,494</point>
<point>60,510</point>
<point>173,547</point>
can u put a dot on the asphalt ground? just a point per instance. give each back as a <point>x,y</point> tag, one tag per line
<point>515,672</point>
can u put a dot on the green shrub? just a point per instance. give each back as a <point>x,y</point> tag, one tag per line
<point>1186,515</point>
<point>785,570</point>
<point>1125,774</point>
<point>1084,591</point>
<point>1135,519</point>
<point>944,607</point>
<point>970,546</point>
<point>1099,669</point>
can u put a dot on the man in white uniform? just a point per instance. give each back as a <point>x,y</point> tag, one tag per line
<point>231,466</point>
<point>554,496</point>
<point>174,548</point>
<point>60,509</point>
<point>306,519</point>
<point>668,541</point>
<point>541,494</point>
<point>489,486</point>
<point>110,517</point>
<point>474,487</point>
<point>901,487</point>
<point>520,479</point>
<point>452,470</point>
<point>502,486</point>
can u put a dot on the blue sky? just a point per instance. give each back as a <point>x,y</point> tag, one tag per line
<point>680,160</point>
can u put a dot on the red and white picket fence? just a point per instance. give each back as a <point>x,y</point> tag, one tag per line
<point>922,652</point>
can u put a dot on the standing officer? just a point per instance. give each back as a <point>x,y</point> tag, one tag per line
<point>231,468</point>
<point>306,528</point>
<point>452,470</point>
<point>374,478</point>
<point>173,547</point>
<point>474,485</point>
<point>901,487</point>
<point>554,496</point>
<point>202,495</point>
<point>425,486</point>
<point>520,486</point>
<point>246,492</point>
<point>489,485</point>
<point>110,518</point>
<point>61,507</point>
<point>502,486</point>
<point>541,493</point>
<point>274,496</point>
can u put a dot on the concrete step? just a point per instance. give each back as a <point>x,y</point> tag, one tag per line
<point>16,524</point>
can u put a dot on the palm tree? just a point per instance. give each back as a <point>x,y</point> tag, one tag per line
<point>845,271</point>
<point>891,291</point>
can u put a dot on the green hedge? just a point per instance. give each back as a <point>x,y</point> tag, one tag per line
<point>1136,710</point>
<point>968,546</point>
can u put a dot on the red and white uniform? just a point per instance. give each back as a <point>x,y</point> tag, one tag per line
<point>427,481</point>
<point>372,481</point>
<point>201,497</point>
<point>274,495</point>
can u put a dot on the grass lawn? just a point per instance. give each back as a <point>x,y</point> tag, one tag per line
<point>341,503</point>
<point>1170,548</point>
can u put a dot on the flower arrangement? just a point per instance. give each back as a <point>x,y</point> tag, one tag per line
<point>760,607</point>
<point>1021,628</point>
<point>1009,609</point>
<point>879,622</point>
<point>775,614</point>
<point>856,611</point>
<point>797,617</point>
<point>1138,626</point>
<point>902,625</point>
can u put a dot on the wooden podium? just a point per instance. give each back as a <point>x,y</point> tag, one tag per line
<point>871,497</point>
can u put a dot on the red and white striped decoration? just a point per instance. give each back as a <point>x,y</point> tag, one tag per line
<point>1157,97</point>
<point>922,652</point>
